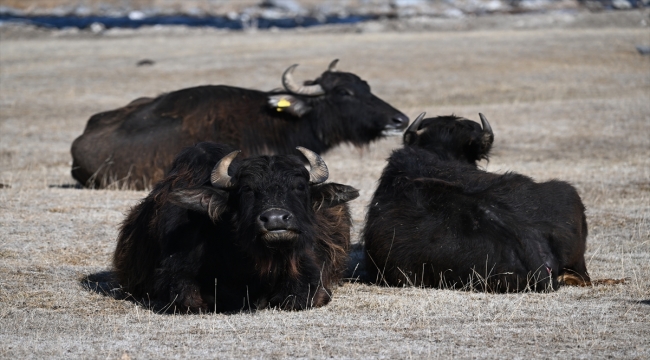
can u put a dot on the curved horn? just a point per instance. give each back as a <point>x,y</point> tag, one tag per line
<point>318,172</point>
<point>332,67</point>
<point>292,86</point>
<point>416,124</point>
<point>488,135</point>
<point>219,177</point>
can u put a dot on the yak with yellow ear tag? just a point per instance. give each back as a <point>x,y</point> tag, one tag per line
<point>134,146</point>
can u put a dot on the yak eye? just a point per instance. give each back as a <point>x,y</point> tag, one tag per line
<point>246,188</point>
<point>345,92</point>
<point>300,187</point>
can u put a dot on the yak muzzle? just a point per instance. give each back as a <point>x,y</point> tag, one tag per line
<point>396,126</point>
<point>277,225</point>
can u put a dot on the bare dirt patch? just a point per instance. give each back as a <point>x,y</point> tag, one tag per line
<point>564,103</point>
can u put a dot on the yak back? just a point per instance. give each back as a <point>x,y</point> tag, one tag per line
<point>135,144</point>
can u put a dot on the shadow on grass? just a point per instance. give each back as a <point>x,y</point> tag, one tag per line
<point>66,186</point>
<point>356,268</point>
<point>105,283</point>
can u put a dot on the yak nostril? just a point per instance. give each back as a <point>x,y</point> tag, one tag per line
<point>400,121</point>
<point>275,219</point>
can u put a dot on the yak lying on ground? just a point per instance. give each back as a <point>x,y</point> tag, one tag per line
<point>271,234</point>
<point>437,220</point>
<point>134,146</point>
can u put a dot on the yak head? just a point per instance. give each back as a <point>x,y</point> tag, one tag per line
<point>451,137</point>
<point>342,102</point>
<point>270,201</point>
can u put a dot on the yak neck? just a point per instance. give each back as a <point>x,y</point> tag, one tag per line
<point>323,124</point>
<point>279,264</point>
<point>439,153</point>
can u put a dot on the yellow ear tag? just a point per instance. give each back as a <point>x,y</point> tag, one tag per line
<point>283,103</point>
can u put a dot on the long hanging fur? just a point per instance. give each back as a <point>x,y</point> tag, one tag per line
<point>186,235</point>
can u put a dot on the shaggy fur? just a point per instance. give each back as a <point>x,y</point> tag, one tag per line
<point>437,220</point>
<point>188,241</point>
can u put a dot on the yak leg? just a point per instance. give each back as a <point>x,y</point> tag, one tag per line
<point>575,278</point>
<point>176,280</point>
<point>575,274</point>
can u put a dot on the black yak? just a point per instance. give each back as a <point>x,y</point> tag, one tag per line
<point>438,220</point>
<point>133,146</point>
<point>271,234</point>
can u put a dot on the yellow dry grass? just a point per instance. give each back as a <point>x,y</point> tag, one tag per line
<point>572,104</point>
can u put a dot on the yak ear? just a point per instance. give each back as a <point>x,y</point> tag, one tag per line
<point>204,200</point>
<point>332,194</point>
<point>288,103</point>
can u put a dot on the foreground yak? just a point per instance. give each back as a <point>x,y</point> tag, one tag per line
<point>135,145</point>
<point>271,234</point>
<point>437,220</point>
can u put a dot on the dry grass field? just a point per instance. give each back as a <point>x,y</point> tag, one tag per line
<point>566,103</point>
